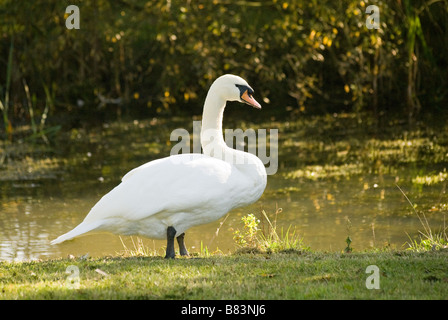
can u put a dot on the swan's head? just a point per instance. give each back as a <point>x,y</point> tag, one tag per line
<point>234,88</point>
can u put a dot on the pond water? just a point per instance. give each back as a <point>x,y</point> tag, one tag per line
<point>335,179</point>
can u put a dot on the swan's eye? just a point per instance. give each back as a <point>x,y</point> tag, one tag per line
<point>243,89</point>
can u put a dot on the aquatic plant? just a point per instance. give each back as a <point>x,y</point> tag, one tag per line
<point>348,240</point>
<point>431,179</point>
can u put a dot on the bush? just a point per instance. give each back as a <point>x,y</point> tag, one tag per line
<point>159,57</point>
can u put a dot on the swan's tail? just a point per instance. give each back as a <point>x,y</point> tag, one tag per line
<point>77,231</point>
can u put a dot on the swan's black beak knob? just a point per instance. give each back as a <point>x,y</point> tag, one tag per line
<point>246,95</point>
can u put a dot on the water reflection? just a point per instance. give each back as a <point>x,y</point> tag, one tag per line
<point>22,231</point>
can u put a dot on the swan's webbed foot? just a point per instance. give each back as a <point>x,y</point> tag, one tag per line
<point>182,249</point>
<point>170,234</point>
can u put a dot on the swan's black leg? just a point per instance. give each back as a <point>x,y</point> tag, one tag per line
<point>170,234</point>
<point>182,249</point>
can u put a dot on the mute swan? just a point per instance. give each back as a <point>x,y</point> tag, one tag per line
<point>163,198</point>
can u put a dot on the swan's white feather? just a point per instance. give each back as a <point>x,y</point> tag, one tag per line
<point>180,191</point>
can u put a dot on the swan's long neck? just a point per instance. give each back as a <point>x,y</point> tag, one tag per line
<point>212,140</point>
<point>212,118</point>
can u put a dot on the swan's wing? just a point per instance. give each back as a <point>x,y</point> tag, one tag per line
<point>142,167</point>
<point>182,183</point>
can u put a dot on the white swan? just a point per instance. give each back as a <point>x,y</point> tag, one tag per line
<point>165,197</point>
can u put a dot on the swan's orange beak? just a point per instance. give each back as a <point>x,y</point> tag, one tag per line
<point>246,97</point>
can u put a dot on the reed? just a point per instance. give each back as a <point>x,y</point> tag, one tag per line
<point>428,238</point>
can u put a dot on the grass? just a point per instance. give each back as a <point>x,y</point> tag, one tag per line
<point>268,265</point>
<point>138,250</point>
<point>293,275</point>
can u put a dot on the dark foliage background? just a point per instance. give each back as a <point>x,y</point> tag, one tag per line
<point>146,58</point>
